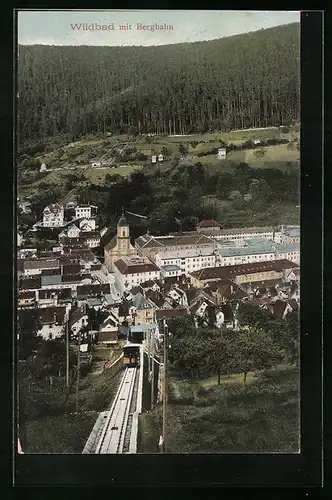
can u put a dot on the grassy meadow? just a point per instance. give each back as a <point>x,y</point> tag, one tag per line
<point>261,416</point>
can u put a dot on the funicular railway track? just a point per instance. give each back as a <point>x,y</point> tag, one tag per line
<point>115,436</point>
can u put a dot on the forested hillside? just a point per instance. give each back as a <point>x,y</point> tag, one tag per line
<point>248,80</point>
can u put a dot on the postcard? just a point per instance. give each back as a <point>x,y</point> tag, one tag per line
<point>158,232</point>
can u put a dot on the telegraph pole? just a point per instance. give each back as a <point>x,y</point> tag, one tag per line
<point>165,328</point>
<point>78,368</point>
<point>152,376</point>
<point>67,351</point>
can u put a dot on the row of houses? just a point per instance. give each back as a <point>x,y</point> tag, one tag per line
<point>54,214</point>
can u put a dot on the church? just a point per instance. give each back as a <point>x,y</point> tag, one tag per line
<point>119,247</point>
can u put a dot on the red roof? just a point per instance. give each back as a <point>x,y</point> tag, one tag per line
<point>132,267</point>
<point>209,223</point>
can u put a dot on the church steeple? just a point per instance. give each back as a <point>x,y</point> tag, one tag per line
<point>123,220</point>
<point>123,240</point>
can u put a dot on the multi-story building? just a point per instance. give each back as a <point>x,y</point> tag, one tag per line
<point>243,273</point>
<point>142,310</point>
<point>84,211</point>
<point>187,260</point>
<point>53,215</point>
<point>170,271</point>
<point>257,251</point>
<point>150,245</point>
<point>244,233</point>
<point>36,266</point>
<point>288,234</point>
<point>131,272</point>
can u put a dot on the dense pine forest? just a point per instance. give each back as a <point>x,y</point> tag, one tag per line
<point>248,80</point>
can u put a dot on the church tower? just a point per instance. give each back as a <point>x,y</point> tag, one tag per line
<point>122,235</point>
<point>119,247</point>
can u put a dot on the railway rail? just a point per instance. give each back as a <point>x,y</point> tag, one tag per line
<point>116,433</point>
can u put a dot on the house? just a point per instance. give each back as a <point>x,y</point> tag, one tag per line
<point>47,297</point>
<point>293,275</point>
<point>78,319</point>
<point>108,332</point>
<point>92,290</point>
<point>280,308</point>
<point>26,299</point>
<point>37,266</point>
<point>88,225</point>
<point>141,310</point>
<point>25,207</point>
<point>52,321</point>
<point>73,231</point>
<point>221,153</point>
<point>208,225</point>
<point>91,238</point>
<point>224,316</point>
<point>33,283</point>
<point>160,157</point>
<point>43,168</point>
<point>53,215</point>
<point>131,272</point>
<point>84,211</point>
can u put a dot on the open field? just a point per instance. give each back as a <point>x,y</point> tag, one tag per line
<point>97,175</point>
<point>277,153</point>
<point>259,416</point>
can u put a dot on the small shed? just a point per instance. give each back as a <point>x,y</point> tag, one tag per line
<point>160,157</point>
<point>43,167</point>
<point>154,159</point>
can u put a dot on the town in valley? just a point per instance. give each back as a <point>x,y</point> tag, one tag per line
<point>158,254</point>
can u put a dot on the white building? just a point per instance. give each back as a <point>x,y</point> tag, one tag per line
<point>257,251</point>
<point>88,225</point>
<point>53,215</point>
<point>154,159</point>
<point>19,239</point>
<point>170,271</point>
<point>160,158</point>
<point>43,168</point>
<point>288,234</point>
<point>188,260</point>
<point>73,231</point>
<point>131,272</point>
<point>92,239</point>
<point>221,153</point>
<point>83,211</point>
<point>52,321</point>
<point>245,233</point>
